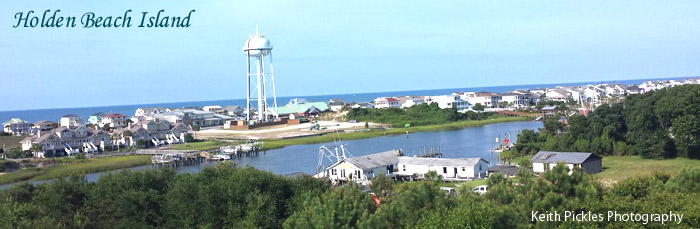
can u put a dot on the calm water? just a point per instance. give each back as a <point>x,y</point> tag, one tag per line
<point>470,142</point>
<point>85,112</point>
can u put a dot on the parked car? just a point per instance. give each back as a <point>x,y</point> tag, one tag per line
<point>449,191</point>
<point>481,189</point>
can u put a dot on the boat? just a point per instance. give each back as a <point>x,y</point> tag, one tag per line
<point>220,157</point>
<point>229,150</point>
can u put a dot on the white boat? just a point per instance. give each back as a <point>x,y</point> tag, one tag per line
<point>229,150</point>
<point>220,157</point>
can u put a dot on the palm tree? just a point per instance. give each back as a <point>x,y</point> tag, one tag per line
<point>115,137</point>
<point>127,133</point>
<point>36,148</point>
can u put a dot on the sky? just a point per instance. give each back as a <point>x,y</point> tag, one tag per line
<point>339,47</point>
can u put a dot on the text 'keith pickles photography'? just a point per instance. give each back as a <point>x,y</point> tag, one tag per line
<point>389,114</point>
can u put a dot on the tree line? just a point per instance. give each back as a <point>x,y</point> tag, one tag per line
<point>224,196</point>
<point>657,124</point>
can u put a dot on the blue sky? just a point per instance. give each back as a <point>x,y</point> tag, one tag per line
<point>338,47</point>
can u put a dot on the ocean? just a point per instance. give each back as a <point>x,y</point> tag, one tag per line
<point>85,112</point>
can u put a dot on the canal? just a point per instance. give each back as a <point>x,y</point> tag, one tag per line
<point>469,142</point>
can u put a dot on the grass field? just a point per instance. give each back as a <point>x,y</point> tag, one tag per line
<point>618,168</point>
<point>279,143</point>
<point>10,141</point>
<point>202,145</point>
<point>71,166</point>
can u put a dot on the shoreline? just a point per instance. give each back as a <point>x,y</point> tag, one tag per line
<point>270,144</point>
<point>94,165</point>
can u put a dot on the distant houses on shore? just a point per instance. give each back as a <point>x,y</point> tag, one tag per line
<point>154,126</point>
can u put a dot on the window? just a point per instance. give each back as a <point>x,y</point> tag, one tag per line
<point>444,169</point>
<point>333,172</point>
<point>404,168</point>
<point>464,169</point>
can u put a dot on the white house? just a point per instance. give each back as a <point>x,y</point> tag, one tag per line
<point>233,110</point>
<point>363,105</point>
<point>71,121</point>
<point>386,102</point>
<point>150,111</point>
<point>490,100</point>
<point>113,120</point>
<point>448,168</point>
<point>336,104</point>
<point>43,125</point>
<point>214,108</point>
<point>409,101</point>
<point>449,101</point>
<point>544,161</point>
<point>363,168</point>
<point>518,101</point>
<point>557,95</point>
<point>17,126</point>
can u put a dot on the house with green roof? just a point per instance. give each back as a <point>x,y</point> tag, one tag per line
<point>295,111</point>
<point>17,126</point>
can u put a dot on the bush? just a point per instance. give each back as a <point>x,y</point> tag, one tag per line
<point>189,138</point>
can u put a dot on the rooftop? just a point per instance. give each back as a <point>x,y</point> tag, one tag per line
<point>566,157</point>
<point>376,160</point>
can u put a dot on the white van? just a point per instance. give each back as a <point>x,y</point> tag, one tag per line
<point>449,191</point>
<point>481,189</point>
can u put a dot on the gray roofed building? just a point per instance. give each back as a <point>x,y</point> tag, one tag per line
<point>363,168</point>
<point>375,160</point>
<point>543,161</point>
<point>507,170</point>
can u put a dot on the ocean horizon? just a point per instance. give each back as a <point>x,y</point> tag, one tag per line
<point>54,114</point>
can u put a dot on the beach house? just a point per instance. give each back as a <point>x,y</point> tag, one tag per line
<point>17,126</point>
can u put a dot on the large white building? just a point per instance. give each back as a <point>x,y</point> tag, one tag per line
<point>448,168</point>
<point>113,120</point>
<point>71,121</point>
<point>449,101</point>
<point>490,100</point>
<point>517,101</point>
<point>386,102</point>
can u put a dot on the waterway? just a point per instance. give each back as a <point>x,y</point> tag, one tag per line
<point>462,143</point>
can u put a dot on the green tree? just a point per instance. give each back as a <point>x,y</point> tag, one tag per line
<point>478,107</point>
<point>36,148</point>
<point>338,208</point>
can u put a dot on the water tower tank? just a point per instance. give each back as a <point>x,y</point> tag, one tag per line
<point>257,45</point>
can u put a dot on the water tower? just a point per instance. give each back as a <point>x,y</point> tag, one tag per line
<point>259,73</point>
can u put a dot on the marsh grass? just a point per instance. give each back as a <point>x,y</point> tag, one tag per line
<point>71,166</point>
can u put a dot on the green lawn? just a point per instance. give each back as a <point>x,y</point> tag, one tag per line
<point>279,143</point>
<point>203,145</point>
<point>11,141</point>
<point>618,168</point>
<point>70,166</point>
